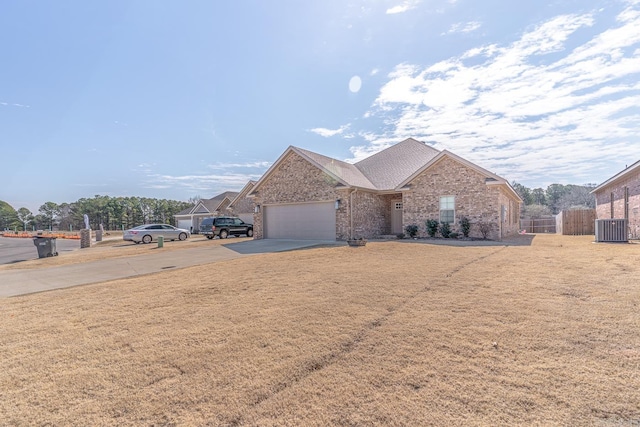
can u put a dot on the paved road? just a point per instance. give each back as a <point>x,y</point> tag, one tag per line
<point>21,282</point>
<point>17,249</point>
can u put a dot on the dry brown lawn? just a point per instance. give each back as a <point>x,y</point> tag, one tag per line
<point>115,247</point>
<point>394,333</point>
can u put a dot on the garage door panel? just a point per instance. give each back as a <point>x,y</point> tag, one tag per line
<point>300,221</point>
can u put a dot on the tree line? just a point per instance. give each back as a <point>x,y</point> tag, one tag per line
<point>114,213</point>
<point>555,198</point>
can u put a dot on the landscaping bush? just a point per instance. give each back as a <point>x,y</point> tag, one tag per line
<point>465,226</point>
<point>411,230</point>
<point>445,230</point>
<point>400,236</point>
<point>484,228</point>
<point>453,235</point>
<point>432,227</point>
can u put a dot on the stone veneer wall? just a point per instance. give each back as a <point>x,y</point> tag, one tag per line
<point>473,198</point>
<point>295,181</point>
<point>243,206</point>
<point>603,202</point>
<point>371,215</point>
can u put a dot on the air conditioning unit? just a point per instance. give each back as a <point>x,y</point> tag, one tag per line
<point>612,230</point>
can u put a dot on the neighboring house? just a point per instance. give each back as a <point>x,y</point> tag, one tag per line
<point>216,206</point>
<point>306,195</point>
<point>242,206</point>
<point>619,198</point>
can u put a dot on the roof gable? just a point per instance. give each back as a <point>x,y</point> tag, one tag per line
<point>490,177</point>
<point>391,166</point>
<point>200,208</point>
<point>634,168</point>
<point>344,173</point>
<point>388,170</point>
<point>243,193</point>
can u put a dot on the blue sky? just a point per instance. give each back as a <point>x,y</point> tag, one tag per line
<point>181,99</point>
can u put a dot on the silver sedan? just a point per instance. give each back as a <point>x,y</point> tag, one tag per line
<point>150,232</point>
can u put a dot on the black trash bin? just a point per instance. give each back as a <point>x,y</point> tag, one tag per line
<point>46,246</point>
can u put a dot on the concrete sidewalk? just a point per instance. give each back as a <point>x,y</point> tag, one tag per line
<point>22,282</point>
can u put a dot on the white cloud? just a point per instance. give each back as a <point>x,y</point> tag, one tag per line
<point>463,27</point>
<point>213,183</point>
<point>535,109</point>
<point>327,133</point>
<point>403,7</point>
<point>7,104</point>
<point>248,165</point>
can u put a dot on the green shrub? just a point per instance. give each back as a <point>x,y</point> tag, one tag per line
<point>411,230</point>
<point>400,236</point>
<point>445,230</point>
<point>453,235</point>
<point>432,227</point>
<point>465,226</point>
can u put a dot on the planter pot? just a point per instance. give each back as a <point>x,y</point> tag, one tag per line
<point>357,242</point>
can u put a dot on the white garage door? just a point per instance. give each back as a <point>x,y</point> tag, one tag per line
<point>306,221</point>
<point>184,223</point>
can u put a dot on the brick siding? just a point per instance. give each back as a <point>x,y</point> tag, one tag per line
<point>617,190</point>
<point>295,180</point>
<point>473,198</point>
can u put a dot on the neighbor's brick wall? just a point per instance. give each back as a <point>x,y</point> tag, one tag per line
<point>242,206</point>
<point>603,202</point>
<point>295,181</point>
<point>473,198</point>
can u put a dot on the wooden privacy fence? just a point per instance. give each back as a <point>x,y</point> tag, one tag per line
<point>538,225</point>
<point>576,222</point>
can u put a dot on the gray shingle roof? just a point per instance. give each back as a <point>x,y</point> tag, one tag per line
<point>389,167</point>
<point>214,203</point>
<point>381,171</point>
<point>346,172</point>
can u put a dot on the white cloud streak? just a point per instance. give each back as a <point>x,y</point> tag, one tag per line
<point>461,27</point>
<point>327,133</point>
<point>213,183</point>
<point>403,7</point>
<point>535,110</point>
<point>8,104</point>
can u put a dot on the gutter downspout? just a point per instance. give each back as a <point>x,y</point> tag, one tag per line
<point>351,213</point>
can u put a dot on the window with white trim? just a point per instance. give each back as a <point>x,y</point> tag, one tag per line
<point>447,209</point>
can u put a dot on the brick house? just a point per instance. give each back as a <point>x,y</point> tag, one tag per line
<point>242,206</point>
<point>190,218</point>
<point>619,198</point>
<point>305,195</point>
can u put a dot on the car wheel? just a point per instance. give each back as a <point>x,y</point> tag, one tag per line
<point>146,239</point>
<point>209,237</point>
<point>224,234</point>
<point>250,232</point>
<point>182,236</point>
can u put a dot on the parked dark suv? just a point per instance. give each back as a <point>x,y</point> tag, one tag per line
<point>223,226</point>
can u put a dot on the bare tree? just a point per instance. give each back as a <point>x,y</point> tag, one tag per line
<point>577,196</point>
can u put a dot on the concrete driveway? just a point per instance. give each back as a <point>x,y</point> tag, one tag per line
<point>22,282</point>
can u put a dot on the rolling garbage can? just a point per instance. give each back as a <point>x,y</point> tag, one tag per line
<point>46,246</point>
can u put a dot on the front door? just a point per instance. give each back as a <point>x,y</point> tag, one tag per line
<point>396,217</point>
